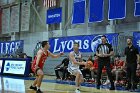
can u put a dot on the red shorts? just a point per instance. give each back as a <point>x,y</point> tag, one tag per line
<point>35,69</point>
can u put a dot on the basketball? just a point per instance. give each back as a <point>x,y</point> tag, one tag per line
<point>89,64</point>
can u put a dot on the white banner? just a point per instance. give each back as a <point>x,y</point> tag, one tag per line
<point>25,16</point>
<point>5,20</point>
<point>14,67</point>
<point>14,23</point>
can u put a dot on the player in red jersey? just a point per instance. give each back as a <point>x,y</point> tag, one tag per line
<point>38,63</point>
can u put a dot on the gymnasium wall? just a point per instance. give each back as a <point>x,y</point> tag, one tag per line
<point>38,31</point>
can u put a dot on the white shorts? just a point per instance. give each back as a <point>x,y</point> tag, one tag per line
<point>74,71</point>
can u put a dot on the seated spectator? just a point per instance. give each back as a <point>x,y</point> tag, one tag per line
<point>63,69</point>
<point>118,68</point>
<point>95,66</point>
<point>90,58</point>
<point>6,56</point>
<point>105,74</point>
<point>85,71</point>
<point>11,56</point>
<point>17,56</point>
<point>23,55</point>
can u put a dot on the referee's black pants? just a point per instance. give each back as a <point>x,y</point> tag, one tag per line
<point>101,64</point>
<point>131,75</point>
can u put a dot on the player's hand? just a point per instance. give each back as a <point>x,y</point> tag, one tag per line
<point>83,63</point>
<point>105,55</point>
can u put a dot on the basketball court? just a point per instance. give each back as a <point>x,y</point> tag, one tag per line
<point>10,84</point>
<point>26,24</point>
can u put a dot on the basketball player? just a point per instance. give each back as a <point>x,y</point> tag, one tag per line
<point>75,58</point>
<point>38,63</point>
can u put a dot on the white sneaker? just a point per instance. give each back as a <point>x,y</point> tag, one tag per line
<point>77,91</point>
<point>107,82</point>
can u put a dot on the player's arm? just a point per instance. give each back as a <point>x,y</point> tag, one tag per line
<point>55,56</point>
<point>39,53</point>
<point>71,56</point>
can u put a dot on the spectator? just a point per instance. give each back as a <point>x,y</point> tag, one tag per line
<point>63,69</point>
<point>17,56</point>
<point>90,58</point>
<point>105,74</point>
<point>11,56</point>
<point>85,71</point>
<point>118,68</point>
<point>6,55</point>
<point>25,56</point>
<point>95,67</point>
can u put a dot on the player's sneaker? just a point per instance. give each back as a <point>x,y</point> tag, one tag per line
<point>34,88</point>
<point>39,91</point>
<point>77,91</point>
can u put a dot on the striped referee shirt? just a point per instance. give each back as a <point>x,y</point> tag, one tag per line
<point>104,49</point>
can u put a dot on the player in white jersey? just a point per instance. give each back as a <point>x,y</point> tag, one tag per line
<point>73,67</point>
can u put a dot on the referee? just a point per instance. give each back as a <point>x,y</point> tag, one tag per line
<point>132,57</point>
<point>104,51</point>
